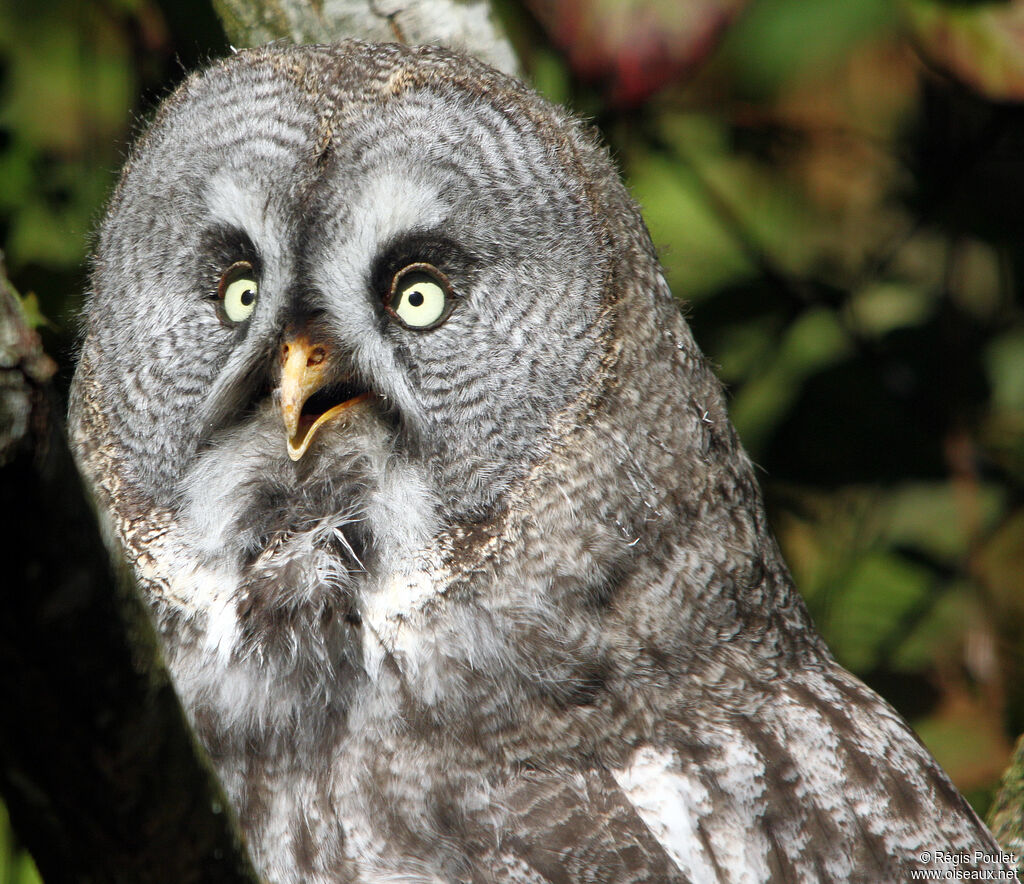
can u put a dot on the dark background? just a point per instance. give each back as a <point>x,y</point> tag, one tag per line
<point>837,192</point>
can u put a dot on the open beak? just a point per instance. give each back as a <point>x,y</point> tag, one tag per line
<point>304,373</point>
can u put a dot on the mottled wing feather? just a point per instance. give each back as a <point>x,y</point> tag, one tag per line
<point>579,828</point>
<point>822,782</point>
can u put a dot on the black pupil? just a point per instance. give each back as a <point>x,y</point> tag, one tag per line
<point>416,298</point>
<point>248,296</point>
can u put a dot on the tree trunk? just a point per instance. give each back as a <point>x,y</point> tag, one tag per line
<point>468,25</point>
<point>102,777</point>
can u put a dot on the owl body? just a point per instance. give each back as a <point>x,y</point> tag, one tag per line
<point>460,570</point>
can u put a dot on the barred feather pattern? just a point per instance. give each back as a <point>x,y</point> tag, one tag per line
<point>517,618</point>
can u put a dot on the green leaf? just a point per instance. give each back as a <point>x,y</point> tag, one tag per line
<point>779,40</point>
<point>880,590</point>
<point>978,43</point>
<point>30,310</point>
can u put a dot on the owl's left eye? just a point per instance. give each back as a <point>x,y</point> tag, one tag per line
<point>238,290</point>
<point>420,297</point>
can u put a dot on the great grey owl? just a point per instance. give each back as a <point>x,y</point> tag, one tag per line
<point>460,569</point>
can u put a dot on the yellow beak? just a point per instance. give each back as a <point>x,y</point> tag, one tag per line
<point>304,370</point>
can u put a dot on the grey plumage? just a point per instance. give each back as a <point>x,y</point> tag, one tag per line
<point>516,614</point>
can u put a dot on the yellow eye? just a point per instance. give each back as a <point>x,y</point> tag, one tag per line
<point>420,296</point>
<point>238,290</point>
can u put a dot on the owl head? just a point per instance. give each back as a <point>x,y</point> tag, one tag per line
<point>328,232</point>
<point>392,293</point>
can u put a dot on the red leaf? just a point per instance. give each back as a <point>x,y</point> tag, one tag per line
<point>635,47</point>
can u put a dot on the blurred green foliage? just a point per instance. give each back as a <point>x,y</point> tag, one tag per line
<point>845,222</point>
<point>16,866</point>
<point>74,79</point>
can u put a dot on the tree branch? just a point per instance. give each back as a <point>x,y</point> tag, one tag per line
<point>469,25</point>
<point>100,772</point>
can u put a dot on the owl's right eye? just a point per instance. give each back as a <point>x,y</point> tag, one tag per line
<point>420,297</point>
<point>238,290</point>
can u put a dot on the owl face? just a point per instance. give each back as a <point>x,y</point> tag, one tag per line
<point>310,250</point>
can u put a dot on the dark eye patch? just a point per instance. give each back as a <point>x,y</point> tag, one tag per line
<point>421,247</point>
<point>220,247</point>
